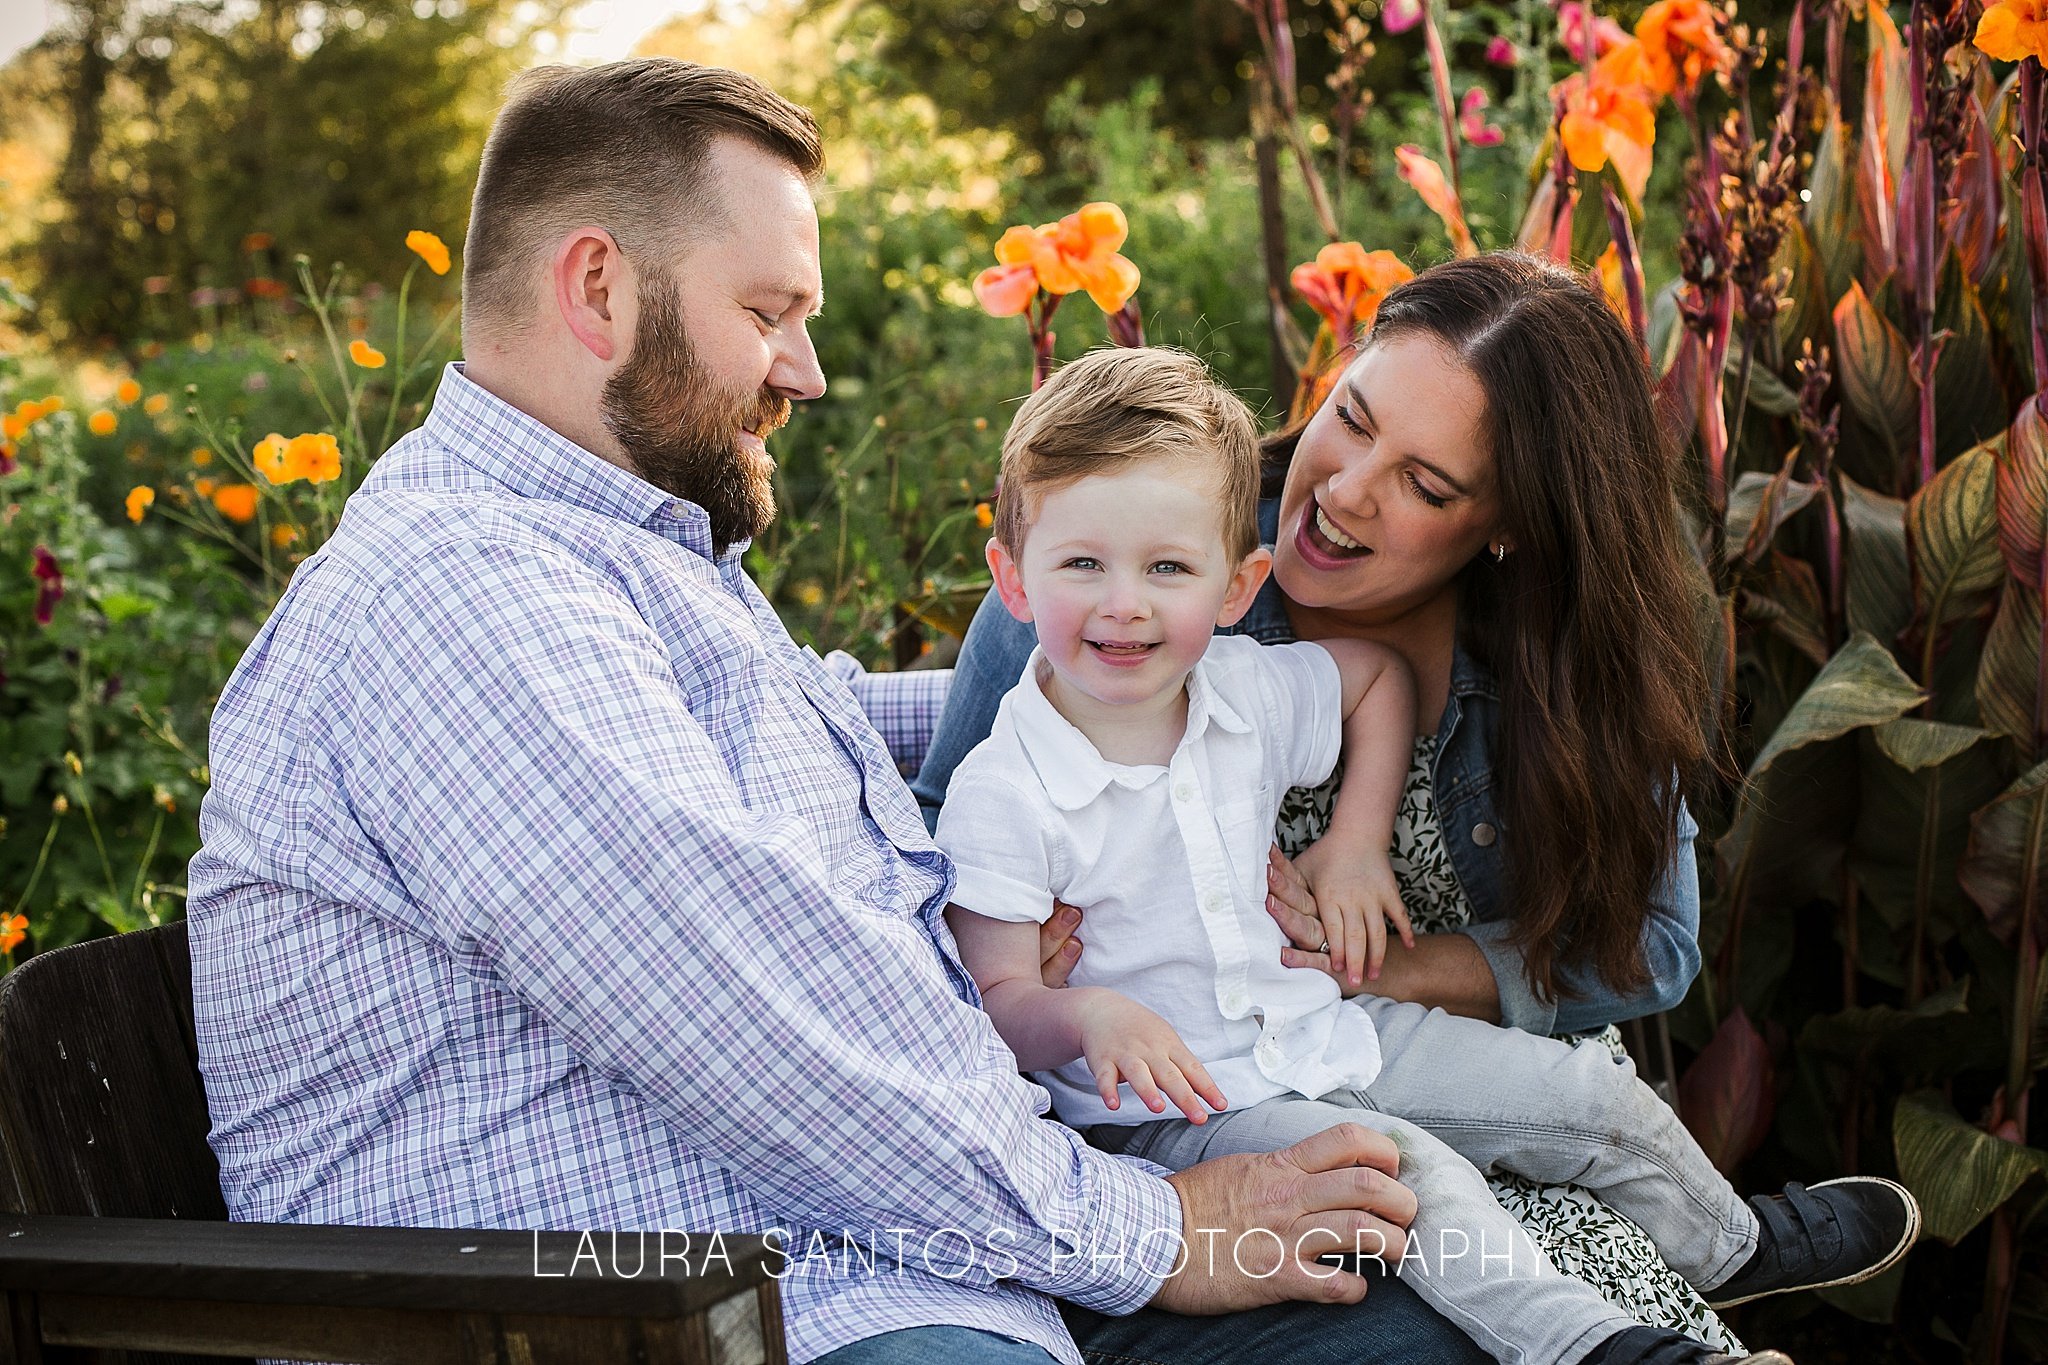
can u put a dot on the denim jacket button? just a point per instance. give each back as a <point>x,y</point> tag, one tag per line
<point>1483,834</point>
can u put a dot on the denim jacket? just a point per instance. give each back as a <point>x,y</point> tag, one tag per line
<point>992,660</point>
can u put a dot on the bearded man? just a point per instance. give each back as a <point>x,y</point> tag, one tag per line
<point>547,883</point>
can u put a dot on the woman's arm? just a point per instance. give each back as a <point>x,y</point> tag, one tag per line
<point>992,658</point>
<point>1476,971</point>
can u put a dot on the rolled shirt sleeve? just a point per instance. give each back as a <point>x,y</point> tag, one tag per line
<point>581,840</point>
<point>1670,948</point>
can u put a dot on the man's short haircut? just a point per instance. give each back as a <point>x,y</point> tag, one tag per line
<point>1117,407</point>
<point>621,146</point>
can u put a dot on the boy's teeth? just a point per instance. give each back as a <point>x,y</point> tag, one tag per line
<point>1333,535</point>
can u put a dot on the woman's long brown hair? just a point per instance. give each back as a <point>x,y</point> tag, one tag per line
<point>1591,626</point>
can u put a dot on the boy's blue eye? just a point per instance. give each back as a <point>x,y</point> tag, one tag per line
<point>1169,566</point>
<point>1080,562</point>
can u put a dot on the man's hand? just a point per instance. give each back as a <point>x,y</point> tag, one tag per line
<point>1356,898</point>
<point>1254,1225</point>
<point>1123,1041</point>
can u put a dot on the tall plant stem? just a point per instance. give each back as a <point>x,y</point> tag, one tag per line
<point>1272,234</point>
<point>2034,210</point>
<point>1919,242</point>
<point>1440,88</point>
<point>1923,888</point>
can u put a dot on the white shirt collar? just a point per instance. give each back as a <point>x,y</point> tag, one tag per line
<point>1067,762</point>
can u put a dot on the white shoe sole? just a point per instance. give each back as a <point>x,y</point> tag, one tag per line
<point>1891,1258</point>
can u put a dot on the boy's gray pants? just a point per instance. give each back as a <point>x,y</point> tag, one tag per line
<point>1472,1097</point>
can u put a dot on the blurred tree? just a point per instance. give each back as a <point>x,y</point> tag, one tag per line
<point>210,143</point>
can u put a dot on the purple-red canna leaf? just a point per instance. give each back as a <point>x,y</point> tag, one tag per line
<point>2023,493</point>
<point>1876,370</point>
<point>1727,1094</point>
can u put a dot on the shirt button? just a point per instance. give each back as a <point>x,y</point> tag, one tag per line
<point>1214,903</point>
<point>1234,1001</point>
<point>1184,791</point>
<point>1483,834</point>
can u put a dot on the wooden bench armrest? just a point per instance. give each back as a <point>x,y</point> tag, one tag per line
<point>630,1275</point>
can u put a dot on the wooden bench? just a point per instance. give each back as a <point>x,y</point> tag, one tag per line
<point>114,1238</point>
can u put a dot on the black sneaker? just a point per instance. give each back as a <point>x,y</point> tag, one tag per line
<point>1837,1232</point>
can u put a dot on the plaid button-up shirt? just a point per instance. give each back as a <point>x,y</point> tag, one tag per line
<point>547,883</point>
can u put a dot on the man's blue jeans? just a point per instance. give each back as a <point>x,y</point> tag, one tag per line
<point>1391,1327</point>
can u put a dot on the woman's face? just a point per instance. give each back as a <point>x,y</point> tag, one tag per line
<point>1391,492</point>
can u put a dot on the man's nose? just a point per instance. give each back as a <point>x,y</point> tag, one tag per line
<point>796,374</point>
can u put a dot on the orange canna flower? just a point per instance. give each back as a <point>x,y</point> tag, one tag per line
<point>139,497</point>
<point>102,423</point>
<point>157,404</point>
<point>1345,284</point>
<point>1682,45</point>
<point>1428,179</point>
<point>237,501</point>
<point>2014,29</point>
<point>365,355</point>
<point>1606,119</point>
<point>430,249</point>
<point>13,929</point>
<point>1079,252</point>
<point>127,392</point>
<point>1607,276</point>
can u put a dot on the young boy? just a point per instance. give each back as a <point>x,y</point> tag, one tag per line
<point>1136,769</point>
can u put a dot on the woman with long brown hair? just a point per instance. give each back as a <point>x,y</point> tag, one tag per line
<point>1486,491</point>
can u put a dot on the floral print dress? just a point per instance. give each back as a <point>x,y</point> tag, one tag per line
<point>1582,1236</point>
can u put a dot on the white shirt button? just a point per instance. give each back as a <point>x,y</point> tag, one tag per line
<point>1234,1001</point>
<point>1183,791</point>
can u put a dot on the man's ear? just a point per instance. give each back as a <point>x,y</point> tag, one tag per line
<point>1244,585</point>
<point>591,291</point>
<point>1009,582</point>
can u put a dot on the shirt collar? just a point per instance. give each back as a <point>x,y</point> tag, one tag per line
<point>534,460</point>
<point>1067,762</point>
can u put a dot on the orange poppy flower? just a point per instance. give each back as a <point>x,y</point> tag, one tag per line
<point>1607,120</point>
<point>1345,284</point>
<point>139,497</point>
<point>237,501</point>
<point>12,427</point>
<point>258,241</point>
<point>365,355</point>
<point>157,404</point>
<point>49,405</point>
<point>102,423</point>
<point>204,487</point>
<point>127,392</point>
<point>13,929</point>
<point>201,456</point>
<point>2013,29</point>
<point>1682,44</point>
<point>1079,252</point>
<point>984,515</point>
<point>263,287</point>
<point>430,249</point>
<point>281,536</point>
<point>1428,179</point>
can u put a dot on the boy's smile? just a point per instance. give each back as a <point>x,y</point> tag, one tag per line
<point>1126,576</point>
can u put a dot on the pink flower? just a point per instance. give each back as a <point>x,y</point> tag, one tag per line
<point>1571,31</point>
<point>1398,16</point>
<point>49,585</point>
<point>1472,122</point>
<point>1501,52</point>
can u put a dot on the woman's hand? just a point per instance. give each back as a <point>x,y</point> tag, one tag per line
<point>1058,948</point>
<point>1357,898</point>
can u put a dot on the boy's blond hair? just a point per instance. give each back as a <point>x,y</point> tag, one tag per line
<point>1115,407</point>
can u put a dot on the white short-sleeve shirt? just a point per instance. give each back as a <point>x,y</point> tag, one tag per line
<point>1169,864</point>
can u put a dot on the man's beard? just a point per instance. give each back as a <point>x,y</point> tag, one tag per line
<point>682,432</point>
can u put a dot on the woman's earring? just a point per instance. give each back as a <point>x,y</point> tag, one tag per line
<point>1500,553</point>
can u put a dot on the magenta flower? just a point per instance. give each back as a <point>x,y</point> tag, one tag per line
<point>1472,120</point>
<point>1501,52</point>
<point>1398,16</point>
<point>49,585</point>
<point>1571,31</point>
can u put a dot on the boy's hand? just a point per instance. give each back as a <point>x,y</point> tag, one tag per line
<point>1356,899</point>
<point>1121,1040</point>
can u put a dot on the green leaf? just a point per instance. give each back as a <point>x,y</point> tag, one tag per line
<point>2009,674</point>
<point>1760,503</point>
<point>1831,207</point>
<point>123,606</point>
<point>1789,605</point>
<point>2022,482</point>
<point>1958,1172</point>
<point>1862,685</point>
<point>2005,868</point>
<point>1951,529</point>
<point>1879,590</point>
<point>1875,369</point>
<point>1916,744</point>
<point>1805,315</point>
<point>1970,404</point>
